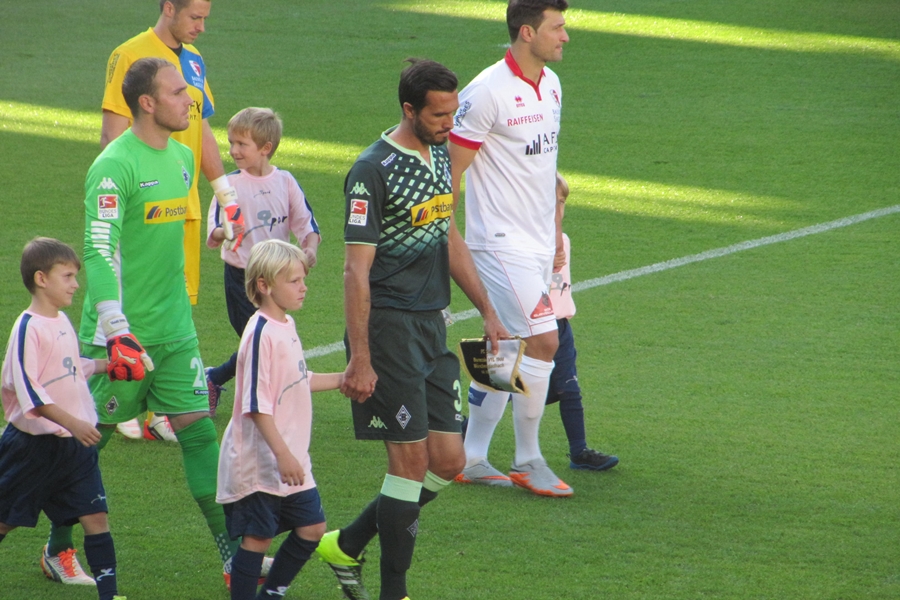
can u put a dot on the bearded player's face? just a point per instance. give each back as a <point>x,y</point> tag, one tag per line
<point>433,123</point>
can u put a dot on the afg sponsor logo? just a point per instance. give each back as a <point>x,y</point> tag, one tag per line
<point>359,212</point>
<point>166,211</point>
<point>108,207</point>
<point>439,207</point>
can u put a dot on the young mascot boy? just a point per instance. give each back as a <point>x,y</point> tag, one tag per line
<point>265,474</point>
<point>272,205</point>
<point>48,453</point>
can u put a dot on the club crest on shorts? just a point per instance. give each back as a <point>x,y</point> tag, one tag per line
<point>112,405</point>
<point>544,307</point>
<point>414,528</point>
<point>403,417</point>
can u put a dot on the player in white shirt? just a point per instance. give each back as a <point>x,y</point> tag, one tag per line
<point>505,137</point>
<point>265,476</point>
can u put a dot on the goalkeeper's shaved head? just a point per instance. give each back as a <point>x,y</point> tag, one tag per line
<point>140,79</point>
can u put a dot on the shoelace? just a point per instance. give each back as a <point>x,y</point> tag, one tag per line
<point>67,560</point>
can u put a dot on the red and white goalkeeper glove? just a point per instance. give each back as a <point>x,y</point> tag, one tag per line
<point>128,361</point>
<point>226,196</point>
<point>234,216</point>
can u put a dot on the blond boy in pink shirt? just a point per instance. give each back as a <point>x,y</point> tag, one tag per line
<point>265,478</point>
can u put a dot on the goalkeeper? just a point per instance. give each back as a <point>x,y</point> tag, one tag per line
<point>137,310</point>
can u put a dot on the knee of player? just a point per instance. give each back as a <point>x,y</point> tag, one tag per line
<point>312,533</point>
<point>94,523</point>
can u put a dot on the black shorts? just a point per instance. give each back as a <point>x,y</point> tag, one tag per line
<point>265,516</point>
<point>418,387</point>
<point>564,378</point>
<point>57,475</point>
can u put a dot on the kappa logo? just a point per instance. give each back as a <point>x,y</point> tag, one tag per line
<point>146,184</point>
<point>359,212</point>
<point>107,184</point>
<point>389,159</point>
<point>360,188</point>
<point>377,423</point>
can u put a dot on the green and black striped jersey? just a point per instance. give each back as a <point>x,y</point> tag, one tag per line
<point>402,204</point>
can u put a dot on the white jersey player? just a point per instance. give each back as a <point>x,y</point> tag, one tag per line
<point>506,138</point>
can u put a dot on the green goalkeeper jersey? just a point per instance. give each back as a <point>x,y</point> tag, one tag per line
<point>136,200</point>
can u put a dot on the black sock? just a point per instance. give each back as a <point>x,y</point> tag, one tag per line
<point>426,496</point>
<point>356,536</point>
<point>398,524</point>
<point>101,558</point>
<point>245,569</point>
<point>290,558</point>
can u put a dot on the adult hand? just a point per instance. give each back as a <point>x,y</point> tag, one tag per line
<point>359,380</point>
<point>494,331</point>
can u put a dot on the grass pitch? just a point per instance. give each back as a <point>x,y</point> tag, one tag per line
<point>751,398</point>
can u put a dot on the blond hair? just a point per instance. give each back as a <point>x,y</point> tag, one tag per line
<point>267,259</point>
<point>261,124</point>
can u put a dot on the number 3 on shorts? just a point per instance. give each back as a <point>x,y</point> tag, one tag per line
<point>458,404</point>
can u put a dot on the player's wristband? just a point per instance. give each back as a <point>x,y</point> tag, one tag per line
<point>110,318</point>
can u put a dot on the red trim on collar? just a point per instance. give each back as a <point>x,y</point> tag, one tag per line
<point>517,71</point>
<point>461,141</point>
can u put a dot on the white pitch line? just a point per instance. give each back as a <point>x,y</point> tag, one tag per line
<point>678,262</point>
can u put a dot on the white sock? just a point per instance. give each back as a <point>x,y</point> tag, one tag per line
<point>528,410</point>
<point>483,420</point>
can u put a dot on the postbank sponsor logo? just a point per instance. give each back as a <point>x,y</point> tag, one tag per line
<point>439,207</point>
<point>165,211</point>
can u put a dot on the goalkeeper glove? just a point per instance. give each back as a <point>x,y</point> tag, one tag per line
<point>226,196</point>
<point>127,358</point>
<point>234,216</point>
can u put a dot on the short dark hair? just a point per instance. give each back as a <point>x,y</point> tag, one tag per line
<point>40,254</point>
<point>178,4</point>
<point>423,76</point>
<point>140,79</point>
<point>529,12</point>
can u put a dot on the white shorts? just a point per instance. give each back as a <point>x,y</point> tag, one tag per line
<point>517,285</point>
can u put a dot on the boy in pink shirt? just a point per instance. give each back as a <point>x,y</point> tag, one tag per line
<point>48,454</point>
<point>272,205</point>
<point>265,476</point>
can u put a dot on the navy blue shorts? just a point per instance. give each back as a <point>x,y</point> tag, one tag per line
<point>564,378</point>
<point>240,309</point>
<point>265,516</point>
<point>47,473</point>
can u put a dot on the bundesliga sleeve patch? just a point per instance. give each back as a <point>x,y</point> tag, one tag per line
<point>359,212</point>
<point>108,207</point>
